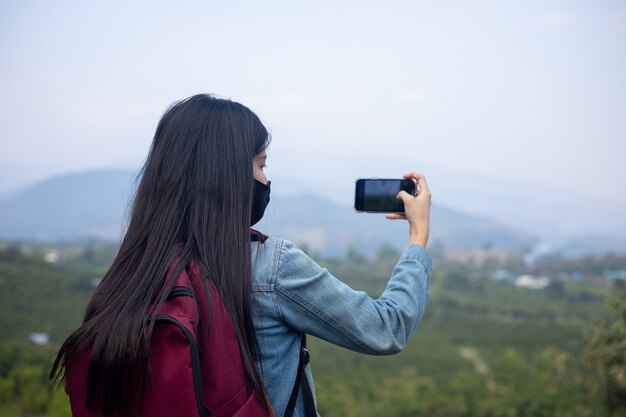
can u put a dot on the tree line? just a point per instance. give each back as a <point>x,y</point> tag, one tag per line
<point>484,349</point>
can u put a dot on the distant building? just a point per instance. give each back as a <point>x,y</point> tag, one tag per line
<point>39,339</point>
<point>615,274</point>
<point>615,277</point>
<point>532,282</point>
<point>476,255</point>
<point>504,275</point>
<point>52,256</point>
<point>576,276</point>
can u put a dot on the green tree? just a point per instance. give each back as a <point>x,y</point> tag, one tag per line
<point>407,395</point>
<point>467,391</point>
<point>606,350</point>
<point>32,390</point>
<point>6,390</point>
<point>59,405</point>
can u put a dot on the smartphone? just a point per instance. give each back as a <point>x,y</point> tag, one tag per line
<point>377,195</point>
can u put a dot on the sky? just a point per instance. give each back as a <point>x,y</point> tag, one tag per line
<point>532,92</point>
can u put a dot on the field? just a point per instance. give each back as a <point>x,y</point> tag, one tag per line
<point>484,348</point>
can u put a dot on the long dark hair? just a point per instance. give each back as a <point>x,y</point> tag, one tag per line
<point>196,189</point>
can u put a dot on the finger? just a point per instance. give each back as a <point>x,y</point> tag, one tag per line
<point>412,174</point>
<point>396,216</point>
<point>420,178</point>
<point>404,196</point>
<point>423,185</point>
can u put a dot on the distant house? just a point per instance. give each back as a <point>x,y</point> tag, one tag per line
<point>532,282</point>
<point>614,275</point>
<point>52,256</point>
<point>39,339</point>
<point>576,276</point>
<point>504,275</point>
<point>476,255</point>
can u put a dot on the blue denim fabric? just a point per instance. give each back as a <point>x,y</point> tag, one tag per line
<point>292,294</point>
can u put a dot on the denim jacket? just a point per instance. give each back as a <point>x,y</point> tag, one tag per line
<point>292,295</point>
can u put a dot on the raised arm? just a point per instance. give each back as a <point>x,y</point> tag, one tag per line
<point>313,301</point>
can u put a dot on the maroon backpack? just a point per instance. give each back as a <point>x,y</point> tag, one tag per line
<point>191,375</point>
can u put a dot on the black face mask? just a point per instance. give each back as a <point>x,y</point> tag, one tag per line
<point>260,200</point>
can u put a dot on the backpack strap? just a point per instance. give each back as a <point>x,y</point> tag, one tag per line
<point>195,360</point>
<point>302,381</point>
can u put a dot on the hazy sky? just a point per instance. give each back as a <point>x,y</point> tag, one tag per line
<point>531,91</point>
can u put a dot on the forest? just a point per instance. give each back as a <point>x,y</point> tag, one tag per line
<point>485,348</point>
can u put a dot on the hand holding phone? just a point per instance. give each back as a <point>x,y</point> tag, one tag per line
<point>417,210</point>
<point>377,195</point>
<point>400,200</point>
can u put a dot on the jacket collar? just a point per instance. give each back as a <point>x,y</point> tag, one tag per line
<point>256,236</point>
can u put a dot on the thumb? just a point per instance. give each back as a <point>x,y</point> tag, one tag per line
<point>404,196</point>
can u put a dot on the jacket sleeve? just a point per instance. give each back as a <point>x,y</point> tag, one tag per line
<point>311,300</point>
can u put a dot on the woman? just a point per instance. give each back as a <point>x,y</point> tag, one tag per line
<point>202,187</point>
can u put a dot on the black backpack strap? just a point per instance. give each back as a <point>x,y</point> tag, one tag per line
<point>302,380</point>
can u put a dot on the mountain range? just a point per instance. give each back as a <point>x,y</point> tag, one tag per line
<point>95,204</point>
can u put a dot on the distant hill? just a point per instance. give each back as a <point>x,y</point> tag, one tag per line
<point>332,229</point>
<point>86,204</point>
<point>94,204</point>
<point>550,212</point>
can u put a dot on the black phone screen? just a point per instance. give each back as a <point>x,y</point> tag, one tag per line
<point>379,195</point>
